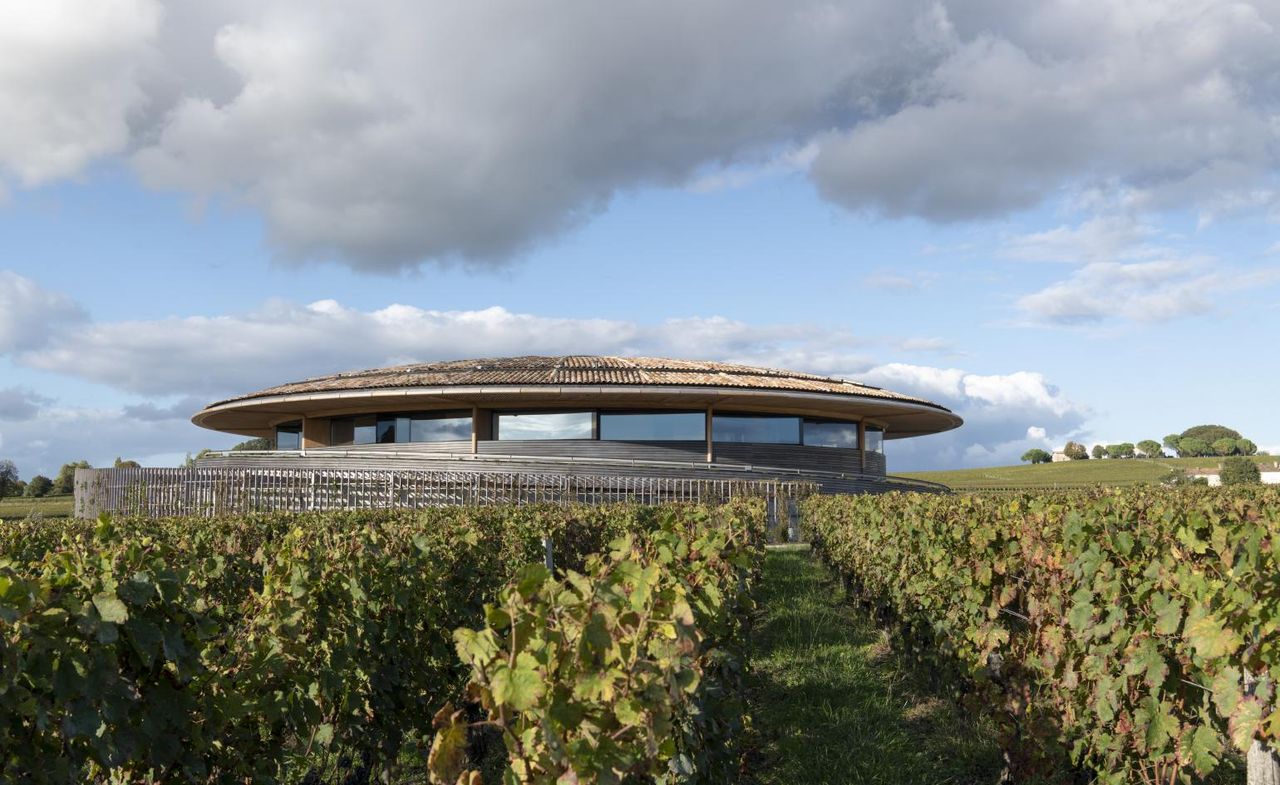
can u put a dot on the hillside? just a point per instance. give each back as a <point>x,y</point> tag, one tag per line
<point>1091,472</point>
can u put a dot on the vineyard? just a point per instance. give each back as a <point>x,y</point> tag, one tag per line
<point>320,648</point>
<point>1135,634</point>
<point>1098,636</point>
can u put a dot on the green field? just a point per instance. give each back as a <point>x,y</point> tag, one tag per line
<point>1130,471</point>
<point>48,506</point>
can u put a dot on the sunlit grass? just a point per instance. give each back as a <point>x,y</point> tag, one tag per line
<point>831,703</point>
<point>48,506</point>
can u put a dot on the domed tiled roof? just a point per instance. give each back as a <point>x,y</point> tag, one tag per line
<point>585,370</point>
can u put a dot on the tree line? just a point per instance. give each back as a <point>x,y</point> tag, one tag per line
<point>1201,441</point>
<point>11,484</point>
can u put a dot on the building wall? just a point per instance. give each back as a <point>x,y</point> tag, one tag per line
<point>658,459</point>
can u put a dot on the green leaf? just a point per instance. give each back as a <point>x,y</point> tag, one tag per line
<point>1228,689</point>
<point>1243,723</point>
<point>1081,615</point>
<point>1205,749</point>
<point>324,735</point>
<point>1209,636</point>
<point>1161,726</point>
<point>1168,614</point>
<point>521,686</point>
<point>110,608</point>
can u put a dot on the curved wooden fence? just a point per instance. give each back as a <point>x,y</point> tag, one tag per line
<point>239,490</point>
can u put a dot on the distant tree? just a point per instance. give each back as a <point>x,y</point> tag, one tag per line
<point>1210,433</point>
<point>1150,448</point>
<point>1179,477</point>
<point>260,443</point>
<point>1191,447</point>
<point>1239,470</point>
<point>1076,451</point>
<point>19,488</point>
<point>1122,450</point>
<point>1037,455</point>
<point>8,478</point>
<point>39,486</point>
<point>65,482</point>
<point>1171,441</point>
<point>123,464</point>
<point>1099,452</point>
<point>191,460</point>
<point>1224,446</point>
<point>1246,447</point>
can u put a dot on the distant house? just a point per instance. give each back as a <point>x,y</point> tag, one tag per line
<point>1270,475</point>
<point>1060,457</point>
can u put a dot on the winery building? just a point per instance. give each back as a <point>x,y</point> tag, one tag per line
<point>633,416</point>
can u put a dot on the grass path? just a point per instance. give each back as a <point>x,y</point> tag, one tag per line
<point>831,703</point>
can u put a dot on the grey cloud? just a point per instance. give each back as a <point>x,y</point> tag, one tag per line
<point>30,315</point>
<point>149,411</point>
<point>396,133</point>
<point>19,403</point>
<point>1153,96</point>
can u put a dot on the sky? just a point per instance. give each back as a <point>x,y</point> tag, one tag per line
<point>1059,219</point>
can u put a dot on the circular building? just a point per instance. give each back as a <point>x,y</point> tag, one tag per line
<point>638,416</point>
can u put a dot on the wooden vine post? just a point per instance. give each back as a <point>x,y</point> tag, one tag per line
<point>1262,764</point>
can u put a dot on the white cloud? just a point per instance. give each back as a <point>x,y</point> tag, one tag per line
<point>391,133</point>
<point>1102,238</point>
<point>190,361</point>
<point>63,434</point>
<point>925,345</point>
<point>69,82</point>
<point>1005,415</point>
<point>1154,291</point>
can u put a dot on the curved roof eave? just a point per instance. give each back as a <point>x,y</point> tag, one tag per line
<point>256,415</point>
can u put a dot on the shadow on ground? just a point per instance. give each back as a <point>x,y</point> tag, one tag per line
<point>832,704</point>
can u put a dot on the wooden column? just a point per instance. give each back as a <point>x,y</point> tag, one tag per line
<point>862,444</point>
<point>475,429</point>
<point>711,452</point>
<point>315,432</point>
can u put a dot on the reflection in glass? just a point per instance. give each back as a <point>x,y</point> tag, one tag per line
<point>831,434</point>
<point>643,427</point>
<point>560,425</point>
<point>342,430</point>
<point>289,435</point>
<point>759,430</point>
<point>399,428</point>
<point>875,439</point>
<point>366,429</point>
<point>441,429</point>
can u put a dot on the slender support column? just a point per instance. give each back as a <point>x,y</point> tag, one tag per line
<point>862,444</point>
<point>475,429</point>
<point>711,452</point>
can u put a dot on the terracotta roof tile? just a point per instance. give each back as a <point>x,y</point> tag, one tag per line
<point>578,370</point>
